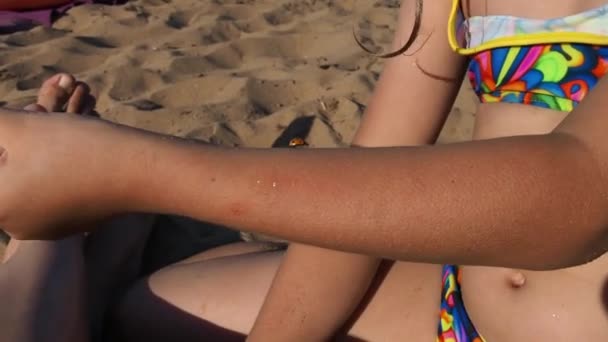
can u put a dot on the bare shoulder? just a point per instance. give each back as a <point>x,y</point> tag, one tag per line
<point>422,20</point>
<point>423,29</point>
<point>417,88</point>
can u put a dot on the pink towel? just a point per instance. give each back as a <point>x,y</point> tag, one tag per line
<point>11,21</point>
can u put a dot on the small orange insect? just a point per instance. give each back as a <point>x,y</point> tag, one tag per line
<point>297,142</point>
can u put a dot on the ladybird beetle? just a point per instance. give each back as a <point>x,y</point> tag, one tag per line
<point>297,142</point>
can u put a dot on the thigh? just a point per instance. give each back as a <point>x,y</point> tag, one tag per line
<point>219,299</point>
<point>401,305</point>
<point>214,299</point>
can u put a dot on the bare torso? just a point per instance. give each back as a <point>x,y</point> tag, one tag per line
<point>514,305</point>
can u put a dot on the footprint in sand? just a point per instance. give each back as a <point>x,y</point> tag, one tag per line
<point>177,20</point>
<point>243,17</point>
<point>194,91</point>
<point>34,36</point>
<point>272,95</point>
<point>295,9</point>
<point>96,42</point>
<point>277,50</point>
<point>130,82</point>
<point>190,65</point>
<point>222,31</point>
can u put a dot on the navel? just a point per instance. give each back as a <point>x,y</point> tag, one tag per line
<point>517,280</point>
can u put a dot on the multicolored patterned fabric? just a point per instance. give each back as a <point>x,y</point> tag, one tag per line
<point>468,36</point>
<point>550,63</point>
<point>481,30</point>
<point>455,324</point>
<point>554,76</point>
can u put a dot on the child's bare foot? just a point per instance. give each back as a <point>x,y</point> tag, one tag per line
<point>62,93</point>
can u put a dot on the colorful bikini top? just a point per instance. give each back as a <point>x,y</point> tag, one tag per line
<point>550,63</point>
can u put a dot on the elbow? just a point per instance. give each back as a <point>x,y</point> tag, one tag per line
<point>572,251</point>
<point>593,247</point>
<point>585,237</point>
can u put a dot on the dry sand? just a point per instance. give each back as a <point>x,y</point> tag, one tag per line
<point>231,72</point>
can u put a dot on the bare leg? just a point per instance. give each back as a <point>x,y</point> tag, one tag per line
<point>218,300</point>
<point>43,283</point>
<point>42,294</point>
<point>56,294</point>
<point>112,256</point>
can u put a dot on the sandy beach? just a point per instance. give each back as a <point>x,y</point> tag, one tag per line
<point>249,73</point>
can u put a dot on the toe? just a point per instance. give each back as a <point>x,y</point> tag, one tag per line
<point>89,106</point>
<point>35,108</point>
<point>55,92</point>
<point>77,101</point>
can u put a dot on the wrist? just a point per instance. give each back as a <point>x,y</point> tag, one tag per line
<point>123,161</point>
<point>159,173</point>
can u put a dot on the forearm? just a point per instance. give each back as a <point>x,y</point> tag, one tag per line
<point>313,294</point>
<point>540,198</point>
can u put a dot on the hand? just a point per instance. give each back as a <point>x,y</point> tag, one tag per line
<point>55,168</point>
